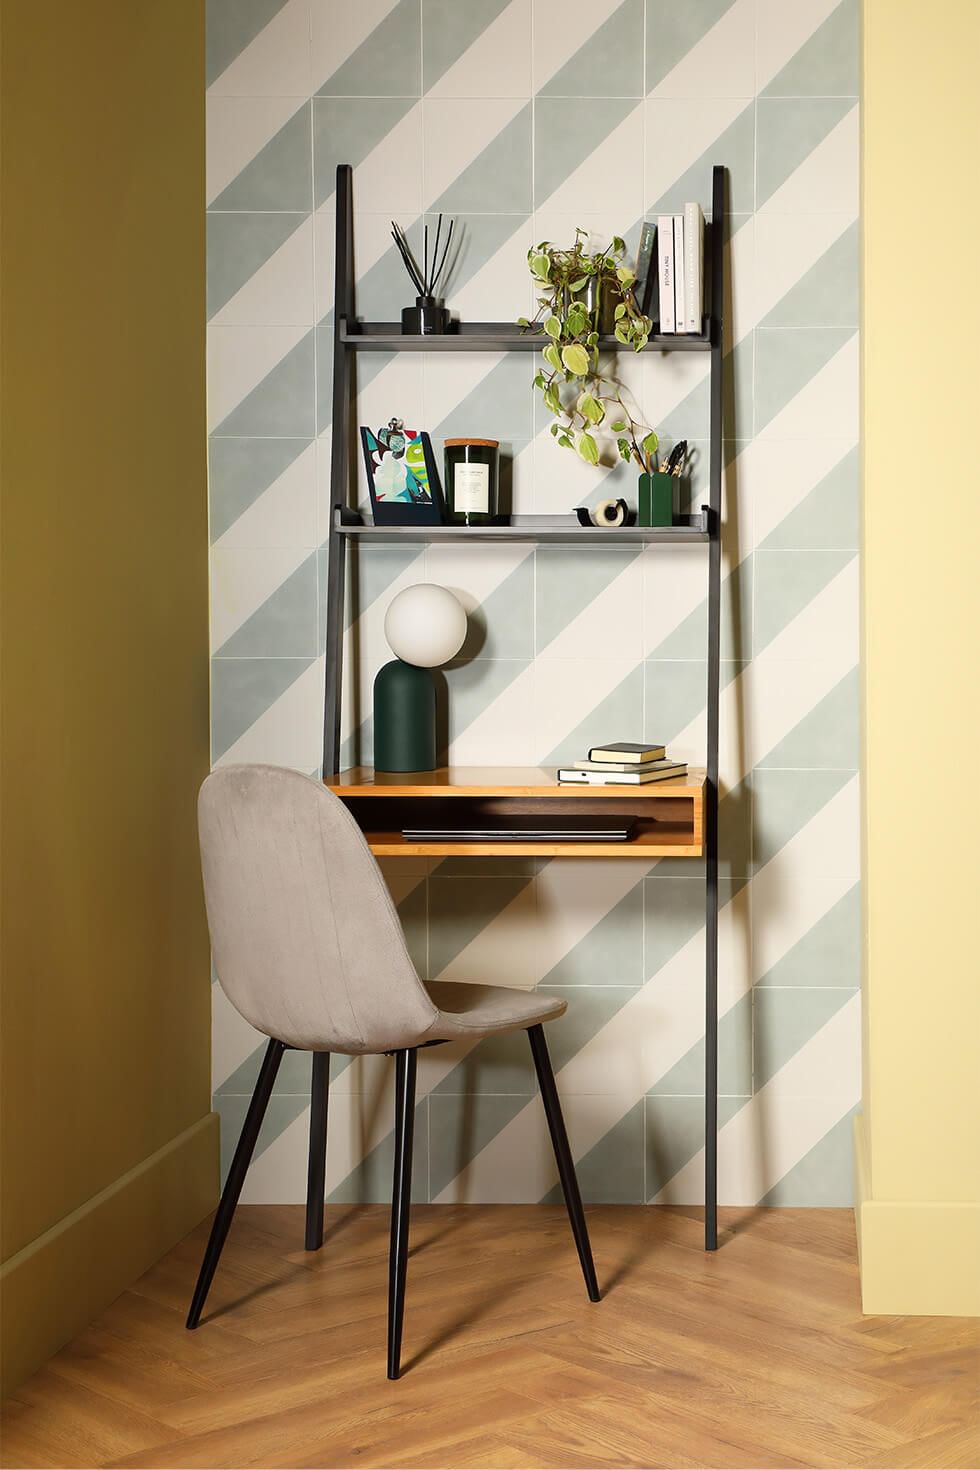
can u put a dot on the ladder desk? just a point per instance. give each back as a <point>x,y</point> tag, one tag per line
<point>675,818</point>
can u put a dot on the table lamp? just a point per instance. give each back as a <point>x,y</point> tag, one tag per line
<point>425,626</point>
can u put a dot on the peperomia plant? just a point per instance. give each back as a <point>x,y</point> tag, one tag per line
<point>576,290</point>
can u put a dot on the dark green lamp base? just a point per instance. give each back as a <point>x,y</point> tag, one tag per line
<point>404,718</point>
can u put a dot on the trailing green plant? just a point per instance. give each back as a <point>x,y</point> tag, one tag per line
<point>575,289</point>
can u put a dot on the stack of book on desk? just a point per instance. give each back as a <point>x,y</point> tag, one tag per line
<point>622,764</point>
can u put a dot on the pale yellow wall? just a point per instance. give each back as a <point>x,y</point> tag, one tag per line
<point>109,1149</point>
<point>919,1134</point>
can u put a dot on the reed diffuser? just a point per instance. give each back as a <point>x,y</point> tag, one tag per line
<point>428,317</point>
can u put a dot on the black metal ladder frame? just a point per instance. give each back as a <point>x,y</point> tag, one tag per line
<point>340,470</point>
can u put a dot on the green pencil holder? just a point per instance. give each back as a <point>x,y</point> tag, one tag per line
<point>656,500</point>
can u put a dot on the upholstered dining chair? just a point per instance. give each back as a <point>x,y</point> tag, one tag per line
<point>309,949</point>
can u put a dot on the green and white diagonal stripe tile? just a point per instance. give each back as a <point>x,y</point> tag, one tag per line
<point>524,129</point>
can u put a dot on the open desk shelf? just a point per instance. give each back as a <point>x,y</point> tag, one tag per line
<point>670,814</point>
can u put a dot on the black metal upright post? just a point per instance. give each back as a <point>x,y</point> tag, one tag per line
<point>714,673</point>
<point>339,467</point>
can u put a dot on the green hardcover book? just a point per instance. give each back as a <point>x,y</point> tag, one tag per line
<point>646,267</point>
<point>627,750</point>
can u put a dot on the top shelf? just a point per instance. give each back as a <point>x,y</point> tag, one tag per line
<point>495,337</point>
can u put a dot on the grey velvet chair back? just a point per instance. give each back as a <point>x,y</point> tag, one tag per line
<point>307,944</point>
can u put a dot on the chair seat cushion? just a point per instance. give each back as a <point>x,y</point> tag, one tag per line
<point>486,1010</point>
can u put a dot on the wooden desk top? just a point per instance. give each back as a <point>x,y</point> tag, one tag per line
<point>537,781</point>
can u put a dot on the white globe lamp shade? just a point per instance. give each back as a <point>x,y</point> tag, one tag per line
<point>425,625</point>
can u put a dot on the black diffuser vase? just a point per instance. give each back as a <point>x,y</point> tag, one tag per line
<point>428,317</point>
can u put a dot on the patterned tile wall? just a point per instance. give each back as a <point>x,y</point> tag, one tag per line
<point>525,120</point>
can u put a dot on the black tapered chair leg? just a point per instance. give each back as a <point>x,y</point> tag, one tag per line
<point>236,1177</point>
<point>317,1172</point>
<point>401,1202</point>
<point>563,1157</point>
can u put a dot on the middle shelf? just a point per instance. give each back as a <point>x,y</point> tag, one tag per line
<point>669,814</point>
<point>562,530</point>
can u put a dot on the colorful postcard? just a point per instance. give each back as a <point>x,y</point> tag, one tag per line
<point>402,476</point>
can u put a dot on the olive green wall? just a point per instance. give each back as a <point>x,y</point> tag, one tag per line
<point>108,1145</point>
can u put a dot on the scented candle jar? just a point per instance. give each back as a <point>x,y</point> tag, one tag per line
<point>471,481</point>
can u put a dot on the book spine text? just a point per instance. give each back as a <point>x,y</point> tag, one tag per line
<point>646,269</point>
<point>693,267</point>
<point>665,257</point>
<point>679,273</point>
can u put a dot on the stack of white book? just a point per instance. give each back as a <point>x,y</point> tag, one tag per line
<point>622,763</point>
<point>680,269</point>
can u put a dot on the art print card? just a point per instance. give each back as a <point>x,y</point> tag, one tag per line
<point>402,476</point>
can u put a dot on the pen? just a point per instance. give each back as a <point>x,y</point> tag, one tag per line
<point>675,459</point>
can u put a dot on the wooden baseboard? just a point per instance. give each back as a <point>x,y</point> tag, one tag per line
<point>55,1285</point>
<point>918,1258</point>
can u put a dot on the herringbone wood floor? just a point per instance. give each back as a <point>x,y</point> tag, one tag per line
<point>756,1356</point>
